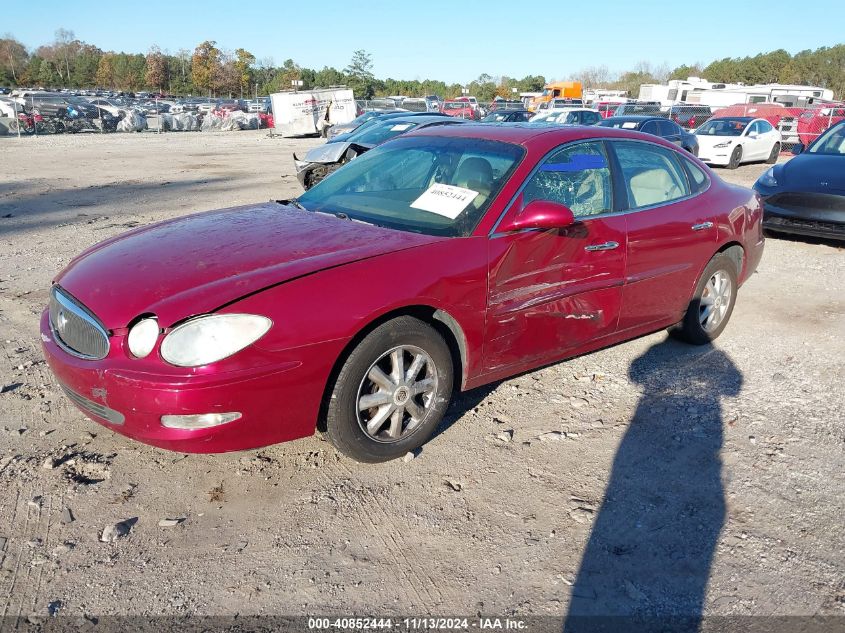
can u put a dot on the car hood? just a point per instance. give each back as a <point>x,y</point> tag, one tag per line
<point>329,153</point>
<point>814,173</point>
<point>196,264</point>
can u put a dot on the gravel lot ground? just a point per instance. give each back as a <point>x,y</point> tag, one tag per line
<point>651,477</point>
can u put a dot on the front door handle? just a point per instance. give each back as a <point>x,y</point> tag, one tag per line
<point>607,246</point>
<point>702,226</point>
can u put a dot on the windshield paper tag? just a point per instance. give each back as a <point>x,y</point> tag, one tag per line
<point>445,200</point>
<point>400,127</point>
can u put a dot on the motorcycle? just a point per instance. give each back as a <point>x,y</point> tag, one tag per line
<point>28,121</point>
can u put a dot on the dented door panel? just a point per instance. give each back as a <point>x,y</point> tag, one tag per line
<point>549,292</point>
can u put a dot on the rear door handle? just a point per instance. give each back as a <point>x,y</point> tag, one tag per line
<point>607,246</point>
<point>702,226</point>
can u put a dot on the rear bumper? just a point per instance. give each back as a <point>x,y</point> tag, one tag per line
<point>277,402</point>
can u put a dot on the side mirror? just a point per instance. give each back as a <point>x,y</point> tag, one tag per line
<point>752,135</point>
<point>797,148</point>
<point>540,214</point>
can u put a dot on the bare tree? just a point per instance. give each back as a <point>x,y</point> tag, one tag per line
<point>13,55</point>
<point>64,39</point>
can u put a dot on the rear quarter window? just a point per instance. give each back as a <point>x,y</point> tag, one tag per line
<point>698,179</point>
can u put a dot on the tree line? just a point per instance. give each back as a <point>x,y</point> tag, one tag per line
<point>210,70</point>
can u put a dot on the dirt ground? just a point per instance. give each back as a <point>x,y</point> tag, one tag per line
<point>646,478</point>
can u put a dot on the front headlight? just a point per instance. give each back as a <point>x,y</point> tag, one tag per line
<point>768,179</point>
<point>208,339</point>
<point>725,144</point>
<point>142,337</point>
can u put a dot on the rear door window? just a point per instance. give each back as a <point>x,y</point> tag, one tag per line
<point>653,176</point>
<point>668,128</point>
<point>649,127</point>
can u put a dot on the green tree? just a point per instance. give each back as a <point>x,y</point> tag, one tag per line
<point>685,71</point>
<point>360,74</point>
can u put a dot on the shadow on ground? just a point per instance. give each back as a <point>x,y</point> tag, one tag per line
<point>650,550</point>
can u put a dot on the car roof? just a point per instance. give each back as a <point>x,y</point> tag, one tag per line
<point>417,119</point>
<point>526,133</point>
<point>747,119</point>
<point>638,118</point>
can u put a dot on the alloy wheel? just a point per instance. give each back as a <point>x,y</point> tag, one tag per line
<point>396,394</point>
<point>715,301</point>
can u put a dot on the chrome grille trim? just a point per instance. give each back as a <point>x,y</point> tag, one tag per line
<point>75,329</point>
<point>94,408</point>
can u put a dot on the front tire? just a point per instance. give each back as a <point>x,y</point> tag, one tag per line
<point>736,157</point>
<point>712,304</point>
<point>391,392</point>
<point>773,157</point>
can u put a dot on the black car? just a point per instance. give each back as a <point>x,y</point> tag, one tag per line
<point>658,126</point>
<point>508,116</point>
<point>637,107</point>
<point>690,117</point>
<point>321,161</point>
<point>366,117</point>
<point>341,135</point>
<point>806,195</point>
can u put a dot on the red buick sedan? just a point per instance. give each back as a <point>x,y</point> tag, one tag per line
<point>442,260</point>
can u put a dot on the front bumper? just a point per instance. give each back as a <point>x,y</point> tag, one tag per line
<point>278,402</point>
<point>720,157</point>
<point>808,214</point>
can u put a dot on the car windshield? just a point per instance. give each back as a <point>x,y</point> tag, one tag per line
<point>360,120</point>
<point>381,132</point>
<point>423,184</point>
<point>495,117</point>
<point>620,123</point>
<point>453,105</point>
<point>723,127</point>
<point>831,142</point>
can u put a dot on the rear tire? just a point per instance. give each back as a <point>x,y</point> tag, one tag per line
<point>712,303</point>
<point>736,157</point>
<point>404,369</point>
<point>773,157</point>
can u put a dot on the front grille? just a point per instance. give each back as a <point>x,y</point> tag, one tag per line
<point>807,201</point>
<point>94,408</point>
<point>75,329</point>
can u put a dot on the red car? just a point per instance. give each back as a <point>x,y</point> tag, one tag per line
<point>459,108</point>
<point>814,121</point>
<point>442,260</point>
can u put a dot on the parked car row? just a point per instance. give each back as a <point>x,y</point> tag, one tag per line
<point>145,103</point>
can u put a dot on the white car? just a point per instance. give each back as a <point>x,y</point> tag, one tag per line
<point>568,116</point>
<point>112,107</point>
<point>730,141</point>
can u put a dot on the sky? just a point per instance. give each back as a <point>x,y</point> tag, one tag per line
<point>454,41</point>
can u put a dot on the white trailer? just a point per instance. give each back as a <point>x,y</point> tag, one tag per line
<point>302,113</point>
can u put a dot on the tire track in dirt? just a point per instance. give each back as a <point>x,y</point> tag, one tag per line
<point>355,501</point>
<point>359,496</point>
<point>17,536</point>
